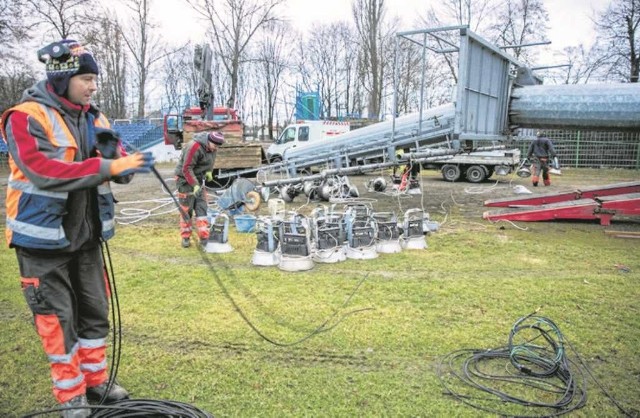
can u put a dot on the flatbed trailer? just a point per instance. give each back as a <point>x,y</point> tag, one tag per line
<point>475,167</point>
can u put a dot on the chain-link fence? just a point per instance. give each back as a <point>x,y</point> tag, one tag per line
<point>590,149</point>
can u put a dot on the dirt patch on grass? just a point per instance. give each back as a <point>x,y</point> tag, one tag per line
<point>145,200</point>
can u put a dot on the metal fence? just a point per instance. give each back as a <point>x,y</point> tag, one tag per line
<point>590,149</point>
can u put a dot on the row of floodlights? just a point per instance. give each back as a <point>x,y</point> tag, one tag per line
<point>295,242</point>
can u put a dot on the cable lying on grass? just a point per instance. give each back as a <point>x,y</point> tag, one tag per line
<point>531,376</point>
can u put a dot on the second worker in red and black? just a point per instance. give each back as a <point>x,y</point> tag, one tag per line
<point>196,166</point>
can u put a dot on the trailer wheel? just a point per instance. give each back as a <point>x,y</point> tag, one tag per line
<point>476,174</point>
<point>450,172</point>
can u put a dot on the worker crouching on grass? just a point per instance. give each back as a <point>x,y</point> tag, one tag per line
<point>196,165</point>
<point>542,150</point>
<point>59,210</point>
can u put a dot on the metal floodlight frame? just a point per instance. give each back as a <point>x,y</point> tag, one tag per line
<point>485,78</point>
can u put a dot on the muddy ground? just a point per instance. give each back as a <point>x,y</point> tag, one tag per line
<point>144,199</point>
<point>440,198</point>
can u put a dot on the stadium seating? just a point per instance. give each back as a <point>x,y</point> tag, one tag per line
<point>135,136</point>
<point>138,135</point>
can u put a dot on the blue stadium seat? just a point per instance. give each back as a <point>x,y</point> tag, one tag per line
<point>139,135</point>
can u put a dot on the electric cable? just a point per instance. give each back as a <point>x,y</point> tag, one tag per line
<point>531,376</point>
<point>323,327</point>
<point>163,408</point>
<point>127,407</point>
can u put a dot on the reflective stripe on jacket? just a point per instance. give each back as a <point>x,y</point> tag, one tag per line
<point>34,215</point>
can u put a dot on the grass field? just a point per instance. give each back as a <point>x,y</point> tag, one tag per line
<point>376,329</point>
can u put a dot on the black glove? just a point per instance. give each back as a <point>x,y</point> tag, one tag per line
<point>107,142</point>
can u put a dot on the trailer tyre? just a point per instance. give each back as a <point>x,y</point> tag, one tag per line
<point>476,174</point>
<point>450,172</point>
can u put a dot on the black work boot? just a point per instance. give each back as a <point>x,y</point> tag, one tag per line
<point>78,407</point>
<point>186,242</point>
<point>116,393</point>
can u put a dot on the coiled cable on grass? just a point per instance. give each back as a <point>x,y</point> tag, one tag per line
<point>531,372</point>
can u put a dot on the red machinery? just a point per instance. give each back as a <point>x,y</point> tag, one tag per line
<point>235,154</point>
<point>600,202</point>
<point>179,129</point>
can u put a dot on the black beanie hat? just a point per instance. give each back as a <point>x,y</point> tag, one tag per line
<point>65,59</point>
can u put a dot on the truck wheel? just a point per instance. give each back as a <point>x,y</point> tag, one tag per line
<point>476,174</point>
<point>276,159</point>
<point>450,172</point>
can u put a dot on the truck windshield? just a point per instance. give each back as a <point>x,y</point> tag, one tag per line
<point>288,135</point>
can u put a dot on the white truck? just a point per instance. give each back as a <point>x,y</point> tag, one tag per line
<point>303,132</point>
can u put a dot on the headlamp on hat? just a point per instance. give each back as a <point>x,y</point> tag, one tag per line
<point>65,59</point>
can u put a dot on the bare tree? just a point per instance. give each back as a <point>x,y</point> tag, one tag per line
<point>620,39</point>
<point>145,47</point>
<point>368,16</point>
<point>475,14</point>
<point>321,64</point>
<point>272,59</point>
<point>13,28</point>
<point>409,62</point>
<point>104,37</point>
<point>582,66</point>
<point>351,95</point>
<point>233,24</point>
<point>14,79</point>
<point>15,75</point>
<point>178,79</point>
<point>519,22</point>
<point>62,18</point>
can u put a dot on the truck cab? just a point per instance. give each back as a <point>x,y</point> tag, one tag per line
<point>303,132</point>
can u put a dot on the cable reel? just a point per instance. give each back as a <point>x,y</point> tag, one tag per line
<point>241,195</point>
<point>219,235</point>
<point>295,245</point>
<point>267,251</point>
<point>387,233</point>
<point>413,235</point>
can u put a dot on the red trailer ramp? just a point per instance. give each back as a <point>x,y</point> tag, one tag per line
<point>602,203</point>
<point>582,193</point>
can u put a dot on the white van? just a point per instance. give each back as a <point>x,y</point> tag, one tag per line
<point>303,132</point>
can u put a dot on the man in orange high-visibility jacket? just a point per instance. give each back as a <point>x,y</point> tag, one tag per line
<point>59,210</point>
<point>196,165</point>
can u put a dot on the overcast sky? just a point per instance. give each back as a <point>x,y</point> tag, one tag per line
<point>569,20</point>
